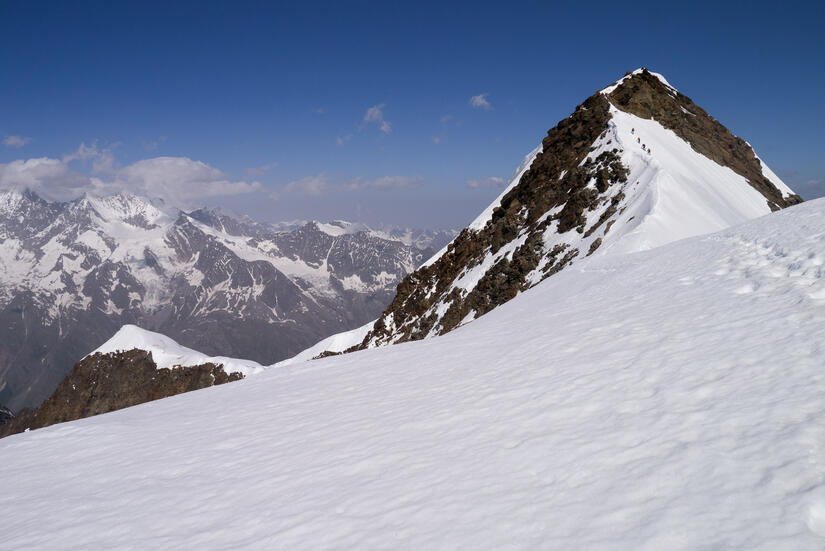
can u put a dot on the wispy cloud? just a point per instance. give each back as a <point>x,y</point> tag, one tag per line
<point>154,144</point>
<point>320,111</point>
<point>436,140</point>
<point>375,114</point>
<point>811,189</point>
<point>16,141</point>
<point>311,185</point>
<point>384,183</point>
<point>487,183</point>
<point>321,184</point>
<point>480,102</point>
<point>103,159</point>
<point>341,140</point>
<point>258,171</point>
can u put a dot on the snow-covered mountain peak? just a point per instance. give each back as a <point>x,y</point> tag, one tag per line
<point>610,89</point>
<point>9,200</point>
<point>134,208</point>
<point>12,201</point>
<point>339,227</point>
<point>636,166</point>
<point>167,353</point>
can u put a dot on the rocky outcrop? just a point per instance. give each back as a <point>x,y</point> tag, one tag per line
<point>101,383</point>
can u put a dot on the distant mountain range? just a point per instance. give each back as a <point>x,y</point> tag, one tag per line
<point>72,273</point>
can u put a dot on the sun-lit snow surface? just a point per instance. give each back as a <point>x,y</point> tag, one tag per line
<point>618,83</point>
<point>334,343</point>
<point>670,399</point>
<point>674,192</point>
<point>167,353</point>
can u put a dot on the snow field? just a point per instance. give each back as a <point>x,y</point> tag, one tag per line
<point>637,401</point>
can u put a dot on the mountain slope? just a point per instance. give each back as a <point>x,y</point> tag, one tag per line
<point>71,274</point>
<point>637,165</point>
<point>669,399</point>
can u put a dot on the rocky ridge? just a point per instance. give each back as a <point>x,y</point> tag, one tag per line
<point>587,185</point>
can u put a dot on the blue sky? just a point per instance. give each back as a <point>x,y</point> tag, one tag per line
<point>364,110</point>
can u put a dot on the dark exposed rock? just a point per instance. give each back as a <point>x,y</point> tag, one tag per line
<point>107,382</point>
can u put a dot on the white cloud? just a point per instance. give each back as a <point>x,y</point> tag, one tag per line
<point>486,183</point>
<point>343,139</point>
<point>103,160</point>
<point>384,183</point>
<point>480,102</point>
<point>16,141</point>
<point>320,111</point>
<point>311,185</point>
<point>51,178</point>
<point>154,144</point>
<point>82,153</point>
<point>436,140</point>
<point>180,181</point>
<point>376,114</point>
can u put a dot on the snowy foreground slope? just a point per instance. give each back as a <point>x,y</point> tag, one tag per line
<point>668,399</point>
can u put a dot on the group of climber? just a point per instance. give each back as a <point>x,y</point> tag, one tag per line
<point>639,141</point>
